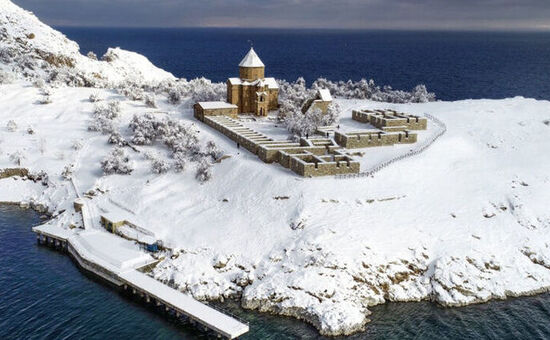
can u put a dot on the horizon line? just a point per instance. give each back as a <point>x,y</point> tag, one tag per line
<point>441,29</point>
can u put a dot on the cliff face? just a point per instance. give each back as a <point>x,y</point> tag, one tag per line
<point>32,49</point>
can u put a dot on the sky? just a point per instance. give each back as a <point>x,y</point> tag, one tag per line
<point>339,14</point>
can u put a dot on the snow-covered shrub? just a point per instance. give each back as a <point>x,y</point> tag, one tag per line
<point>202,90</point>
<point>159,166</point>
<point>117,139</point>
<point>213,150</point>
<point>11,126</point>
<point>67,172</point>
<point>305,124</point>
<point>131,91</point>
<point>204,171</point>
<point>199,89</point>
<point>92,55</point>
<point>46,91</point>
<point>102,124</point>
<point>45,100</point>
<point>77,144</point>
<point>6,77</point>
<point>150,101</point>
<point>293,96</point>
<point>111,110</point>
<point>332,116</point>
<point>367,89</point>
<point>103,117</point>
<point>39,83</point>
<point>144,128</point>
<point>174,96</point>
<point>180,161</point>
<point>117,162</point>
<point>30,130</point>
<point>95,97</point>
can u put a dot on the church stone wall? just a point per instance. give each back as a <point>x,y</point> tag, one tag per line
<point>251,73</point>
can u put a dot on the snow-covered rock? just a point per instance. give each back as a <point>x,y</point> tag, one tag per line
<point>34,49</point>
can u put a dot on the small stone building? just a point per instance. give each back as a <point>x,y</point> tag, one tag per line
<point>322,101</point>
<point>202,109</point>
<point>252,92</point>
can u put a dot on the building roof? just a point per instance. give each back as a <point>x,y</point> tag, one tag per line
<point>216,105</point>
<point>324,95</point>
<point>270,82</point>
<point>251,59</point>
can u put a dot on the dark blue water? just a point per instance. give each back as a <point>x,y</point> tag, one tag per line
<point>44,296</point>
<point>454,65</point>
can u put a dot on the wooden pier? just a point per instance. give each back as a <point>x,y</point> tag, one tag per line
<point>184,307</point>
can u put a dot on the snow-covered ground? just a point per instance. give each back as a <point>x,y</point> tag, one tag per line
<point>463,222</point>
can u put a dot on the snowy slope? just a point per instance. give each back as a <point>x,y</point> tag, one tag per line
<point>35,49</point>
<point>463,222</point>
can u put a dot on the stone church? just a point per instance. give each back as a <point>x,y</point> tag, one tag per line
<point>252,92</point>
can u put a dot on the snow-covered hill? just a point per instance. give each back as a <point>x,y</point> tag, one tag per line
<point>465,221</point>
<point>34,49</point>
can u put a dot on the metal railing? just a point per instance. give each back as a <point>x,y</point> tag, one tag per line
<point>420,149</point>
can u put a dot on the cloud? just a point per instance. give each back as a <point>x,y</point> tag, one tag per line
<point>367,14</point>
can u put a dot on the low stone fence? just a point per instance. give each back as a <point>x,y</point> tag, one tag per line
<point>10,172</point>
<point>366,139</point>
<point>390,120</point>
<point>313,166</point>
<point>420,149</point>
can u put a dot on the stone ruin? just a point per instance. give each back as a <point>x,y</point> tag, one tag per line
<point>319,156</point>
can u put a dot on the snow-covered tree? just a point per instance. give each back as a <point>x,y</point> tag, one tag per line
<point>117,139</point>
<point>150,101</point>
<point>180,161</point>
<point>117,162</point>
<point>11,126</point>
<point>131,90</point>
<point>213,150</point>
<point>110,110</point>
<point>103,116</point>
<point>92,55</point>
<point>204,171</point>
<point>367,89</point>
<point>159,166</point>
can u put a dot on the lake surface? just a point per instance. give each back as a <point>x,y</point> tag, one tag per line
<point>454,65</point>
<point>44,296</point>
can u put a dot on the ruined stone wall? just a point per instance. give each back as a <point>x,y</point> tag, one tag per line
<point>360,140</point>
<point>200,112</point>
<point>320,160</point>
<point>311,166</point>
<point>10,172</point>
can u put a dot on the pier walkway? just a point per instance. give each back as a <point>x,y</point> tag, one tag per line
<point>117,261</point>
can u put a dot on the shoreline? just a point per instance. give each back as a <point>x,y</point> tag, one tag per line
<point>267,306</point>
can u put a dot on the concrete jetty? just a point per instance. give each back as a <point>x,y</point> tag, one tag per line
<point>117,261</point>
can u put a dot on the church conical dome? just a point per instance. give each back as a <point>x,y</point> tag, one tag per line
<point>251,59</point>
